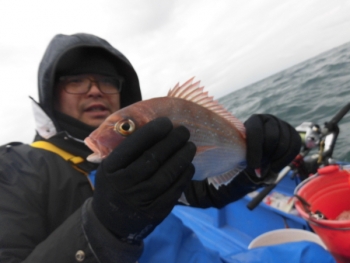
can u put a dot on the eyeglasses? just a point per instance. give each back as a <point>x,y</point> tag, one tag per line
<point>81,84</point>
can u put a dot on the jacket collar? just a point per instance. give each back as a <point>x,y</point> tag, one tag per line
<point>43,124</point>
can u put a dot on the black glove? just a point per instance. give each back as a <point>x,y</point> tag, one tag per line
<point>139,183</point>
<point>271,145</point>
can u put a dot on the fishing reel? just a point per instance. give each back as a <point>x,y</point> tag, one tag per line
<point>310,134</point>
<point>313,136</point>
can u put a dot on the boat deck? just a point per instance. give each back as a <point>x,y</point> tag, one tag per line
<point>231,229</point>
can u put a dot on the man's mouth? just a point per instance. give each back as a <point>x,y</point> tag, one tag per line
<point>96,108</point>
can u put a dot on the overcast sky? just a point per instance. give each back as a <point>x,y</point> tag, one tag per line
<point>227,44</point>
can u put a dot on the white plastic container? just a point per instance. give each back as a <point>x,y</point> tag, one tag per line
<point>281,236</point>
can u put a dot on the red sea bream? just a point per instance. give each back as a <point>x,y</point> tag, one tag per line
<point>218,135</point>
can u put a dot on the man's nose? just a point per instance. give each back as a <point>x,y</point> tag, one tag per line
<point>94,90</point>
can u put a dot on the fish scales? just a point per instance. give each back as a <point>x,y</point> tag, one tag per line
<point>219,137</point>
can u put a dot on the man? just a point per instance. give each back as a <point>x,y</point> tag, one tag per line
<point>50,210</point>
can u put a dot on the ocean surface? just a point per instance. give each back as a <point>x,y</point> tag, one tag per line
<point>312,91</point>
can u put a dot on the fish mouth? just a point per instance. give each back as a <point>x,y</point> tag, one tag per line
<point>96,156</point>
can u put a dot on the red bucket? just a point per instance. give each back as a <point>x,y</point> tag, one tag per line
<point>329,193</point>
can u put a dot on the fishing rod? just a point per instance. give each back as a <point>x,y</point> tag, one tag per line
<point>312,135</point>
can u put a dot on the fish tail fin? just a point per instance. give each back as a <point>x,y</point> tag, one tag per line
<point>226,178</point>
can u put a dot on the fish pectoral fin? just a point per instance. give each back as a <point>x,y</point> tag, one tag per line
<point>205,148</point>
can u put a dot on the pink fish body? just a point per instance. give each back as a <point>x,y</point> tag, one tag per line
<point>218,135</point>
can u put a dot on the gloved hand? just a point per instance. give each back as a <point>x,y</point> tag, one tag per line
<point>139,183</point>
<point>271,145</point>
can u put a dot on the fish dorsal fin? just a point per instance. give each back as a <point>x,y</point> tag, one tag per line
<point>193,92</point>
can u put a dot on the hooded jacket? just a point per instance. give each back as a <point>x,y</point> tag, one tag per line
<point>45,203</point>
<point>48,125</point>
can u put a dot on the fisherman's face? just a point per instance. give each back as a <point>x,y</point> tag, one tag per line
<point>91,108</point>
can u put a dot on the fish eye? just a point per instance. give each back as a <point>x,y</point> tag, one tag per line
<point>124,127</point>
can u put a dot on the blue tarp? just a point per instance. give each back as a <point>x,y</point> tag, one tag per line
<point>173,242</point>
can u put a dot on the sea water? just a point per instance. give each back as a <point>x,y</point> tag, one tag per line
<point>312,91</point>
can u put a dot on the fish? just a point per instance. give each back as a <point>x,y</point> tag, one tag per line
<point>219,136</point>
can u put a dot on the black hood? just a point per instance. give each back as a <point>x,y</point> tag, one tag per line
<point>61,44</point>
